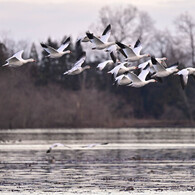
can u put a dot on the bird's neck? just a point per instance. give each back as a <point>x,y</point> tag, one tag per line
<point>27,60</point>
<point>110,43</point>
<point>86,67</point>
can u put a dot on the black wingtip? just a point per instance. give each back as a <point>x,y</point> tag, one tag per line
<point>48,151</point>
<point>153,59</point>
<point>121,45</point>
<point>89,35</point>
<point>78,43</point>
<point>147,66</point>
<point>108,28</point>
<point>113,57</point>
<point>122,52</point>
<point>182,82</point>
<point>82,55</point>
<point>137,44</point>
<point>43,45</point>
<point>106,143</point>
<point>66,41</point>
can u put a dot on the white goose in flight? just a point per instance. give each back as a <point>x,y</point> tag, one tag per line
<point>106,31</point>
<point>140,80</point>
<point>132,54</point>
<point>57,53</point>
<point>56,145</point>
<point>123,79</point>
<point>102,42</point>
<point>102,65</point>
<point>161,71</point>
<point>77,67</point>
<point>16,60</point>
<point>121,68</point>
<point>152,70</point>
<point>184,73</point>
<point>109,63</point>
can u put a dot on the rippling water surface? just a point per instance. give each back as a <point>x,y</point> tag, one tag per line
<point>134,161</point>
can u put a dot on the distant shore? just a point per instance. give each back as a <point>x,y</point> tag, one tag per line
<point>135,123</point>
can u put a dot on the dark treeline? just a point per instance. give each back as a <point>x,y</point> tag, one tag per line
<point>40,96</point>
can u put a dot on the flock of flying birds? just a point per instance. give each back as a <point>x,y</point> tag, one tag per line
<point>154,68</point>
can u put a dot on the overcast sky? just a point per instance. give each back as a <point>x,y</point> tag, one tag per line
<point>35,20</point>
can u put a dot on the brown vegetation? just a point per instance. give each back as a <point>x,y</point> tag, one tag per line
<point>39,96</point>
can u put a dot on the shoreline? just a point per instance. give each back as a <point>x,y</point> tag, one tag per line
<point>134,123</point>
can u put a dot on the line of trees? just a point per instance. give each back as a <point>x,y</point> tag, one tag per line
<point>39,95</point>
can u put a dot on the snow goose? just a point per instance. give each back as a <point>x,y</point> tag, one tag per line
<point>123,79</point>
<point>83,38</point>
<point>77,67</point>
<point>102,65</point>
<point>109,63</point>
<point>57,53</point>
<point>56,145</point>
<point>105,35</point>
<point>102,42</point>
<point>159,60</point>
<point>152,70</point>
<point>184,73</point>
<point>140,80</point>
<point>16,60</point>
<point>132,54</point>
<point>161,71</point>
<point>122,68</point>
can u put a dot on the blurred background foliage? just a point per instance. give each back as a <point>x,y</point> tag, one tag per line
<point>38,95</point>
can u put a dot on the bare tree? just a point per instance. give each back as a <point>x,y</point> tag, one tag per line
<point>128,23</point>
<point>186,27</point>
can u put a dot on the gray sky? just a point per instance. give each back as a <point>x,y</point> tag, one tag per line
<point>36,20</point>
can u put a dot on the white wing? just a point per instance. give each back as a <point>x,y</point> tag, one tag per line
<point>128,51</point>
<point>170,68</point>
<point>137,50</point>
<point>64,45</point>
<point>111,48</point>
<point>143,65</point>
<point>102,65</point>
<point>157,66</point>
<point>49,49</point>
<point>94,39</point>
<point>115,69</point>
<point>119,78</point>
<point>133,77</point>
<point>12,60</point>
<point>183,77</point>
<point>138,47</point>
<point>106,34</point>
<point>143,74</point>
<point>80,61</point>
<point>18,55</point>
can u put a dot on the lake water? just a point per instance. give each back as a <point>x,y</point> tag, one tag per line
<point>135,161</point>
